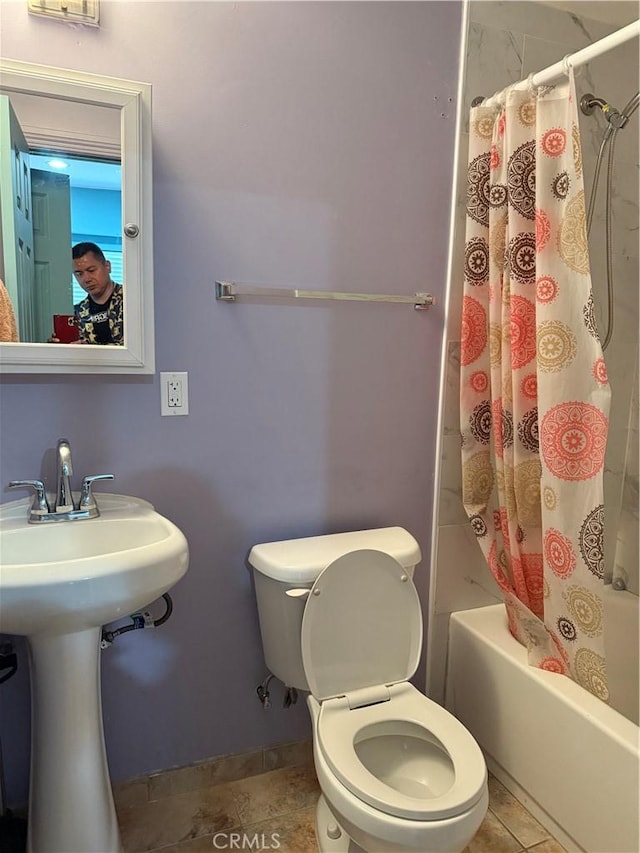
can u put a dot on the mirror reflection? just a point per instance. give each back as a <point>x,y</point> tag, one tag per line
<point>61,160</point>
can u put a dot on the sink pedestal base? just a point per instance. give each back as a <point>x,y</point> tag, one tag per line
<point>71,806</point>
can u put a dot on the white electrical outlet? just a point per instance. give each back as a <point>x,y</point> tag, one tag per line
<point>174,394</point>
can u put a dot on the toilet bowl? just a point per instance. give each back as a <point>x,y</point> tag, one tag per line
<point>345,823</point>
<point>397,771</point>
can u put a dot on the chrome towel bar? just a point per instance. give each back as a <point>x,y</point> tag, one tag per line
<point>227,291</point>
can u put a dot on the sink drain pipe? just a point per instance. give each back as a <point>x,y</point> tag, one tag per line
<point>139,620</point>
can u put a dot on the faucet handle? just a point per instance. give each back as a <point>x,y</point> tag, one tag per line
<point>87,499</point>
<point>40,505</point>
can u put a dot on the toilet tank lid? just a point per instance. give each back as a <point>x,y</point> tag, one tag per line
<point>302,560</point>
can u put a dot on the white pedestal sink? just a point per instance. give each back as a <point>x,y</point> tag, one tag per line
<point>59,583</point>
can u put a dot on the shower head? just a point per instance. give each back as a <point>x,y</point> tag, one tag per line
<point>616,119</point>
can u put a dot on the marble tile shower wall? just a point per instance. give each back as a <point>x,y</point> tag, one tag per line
<point>506,42</point>
<point>627,556</point>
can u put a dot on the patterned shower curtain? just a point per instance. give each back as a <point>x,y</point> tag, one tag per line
<point>534,391</point>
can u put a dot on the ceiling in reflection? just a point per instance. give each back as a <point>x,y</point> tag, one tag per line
<point>86,174</point>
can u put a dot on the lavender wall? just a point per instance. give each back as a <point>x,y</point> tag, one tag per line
<point>302,143</point>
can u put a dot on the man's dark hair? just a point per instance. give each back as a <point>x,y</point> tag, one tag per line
<point>81,249</point>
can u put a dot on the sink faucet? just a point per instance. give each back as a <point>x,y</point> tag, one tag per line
<point>64,508</point>
<point>64,497</point>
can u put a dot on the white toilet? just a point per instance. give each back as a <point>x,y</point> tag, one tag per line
<point>340,617</point>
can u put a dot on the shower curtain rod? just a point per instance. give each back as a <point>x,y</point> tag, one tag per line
<point>581,57</point>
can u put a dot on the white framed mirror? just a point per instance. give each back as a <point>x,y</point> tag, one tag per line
<point>100,128</point>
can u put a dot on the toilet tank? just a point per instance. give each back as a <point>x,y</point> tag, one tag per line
<point>294,564</point>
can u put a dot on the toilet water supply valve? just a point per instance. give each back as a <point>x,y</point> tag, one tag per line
<point>139,620</point>
<point>290,694</point>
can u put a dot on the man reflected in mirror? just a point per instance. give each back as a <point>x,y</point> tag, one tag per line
<point>100,314</point>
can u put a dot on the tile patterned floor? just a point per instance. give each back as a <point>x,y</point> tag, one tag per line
<point>169,813</point>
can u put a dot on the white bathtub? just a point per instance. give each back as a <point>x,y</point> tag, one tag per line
<point>573,761</point>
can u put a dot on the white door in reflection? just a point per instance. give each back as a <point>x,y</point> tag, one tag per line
<point>17,225</point>
<point>51,201</point>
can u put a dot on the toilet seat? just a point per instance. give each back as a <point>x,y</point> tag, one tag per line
<point>407,713</point>
<point>361,641</point>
